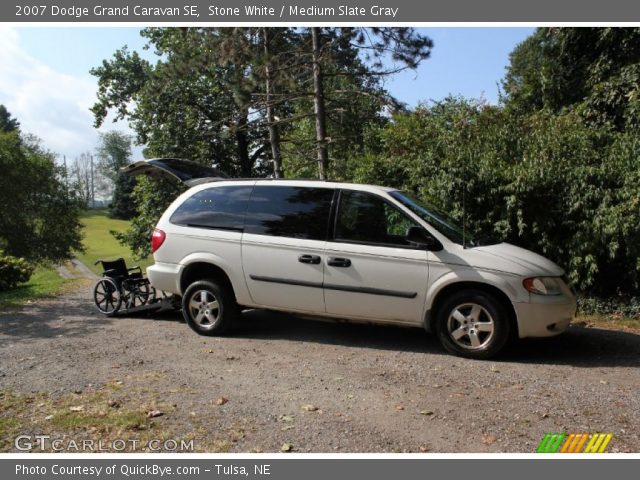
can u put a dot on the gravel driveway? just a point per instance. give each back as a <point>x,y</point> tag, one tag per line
<point>330,387</point>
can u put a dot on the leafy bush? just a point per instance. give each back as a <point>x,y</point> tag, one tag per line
<point>624,306</point>
<point>122,206</point>
<point>39,218</point>
<point>13,271</point>
<point>550,183</point>
<point>151,198</point>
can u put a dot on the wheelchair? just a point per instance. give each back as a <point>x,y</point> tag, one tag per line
<point>122,289</point>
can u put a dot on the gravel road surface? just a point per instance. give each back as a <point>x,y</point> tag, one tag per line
<point>330,387</point>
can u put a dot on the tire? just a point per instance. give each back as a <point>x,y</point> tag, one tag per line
<point>208,307</point>
<point>472,324</point>
<point>136,293</point>
<point>107,297</point>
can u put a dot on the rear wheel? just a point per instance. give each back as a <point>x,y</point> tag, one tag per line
<point>137,293</point>
<point>208,308</point>
<point>473,324</point>
<point>107,297</point>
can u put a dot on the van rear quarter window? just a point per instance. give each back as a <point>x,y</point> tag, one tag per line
<point>216,208</point>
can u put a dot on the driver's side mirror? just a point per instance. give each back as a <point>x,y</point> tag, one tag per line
<point>420,237</point>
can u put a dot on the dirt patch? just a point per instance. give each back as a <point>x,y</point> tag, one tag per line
<point>276,380</point>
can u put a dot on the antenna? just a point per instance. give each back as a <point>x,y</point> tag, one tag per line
<point>464,190</point>
<point>464,204</point>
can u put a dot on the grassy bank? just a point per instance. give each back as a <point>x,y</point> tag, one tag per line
<point>101,245</point>
<point>45,282</point>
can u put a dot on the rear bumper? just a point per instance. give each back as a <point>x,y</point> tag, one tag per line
<point>543,319</point>
<point>165,277</point>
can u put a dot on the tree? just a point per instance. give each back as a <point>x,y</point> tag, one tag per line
<point>7,123</point>
<point>528,84</point>
<point>403,47</point>
<point>181,106</point>
<point>584,84</point>
<point>39,220</point>
<point>269,100</point>
<point>261,63</point>
<point>318,105</point>
<point>114,152</point>
<point>82,179</point>
<point>595,71</point>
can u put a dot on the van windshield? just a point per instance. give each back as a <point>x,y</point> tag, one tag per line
<point>441,221</point>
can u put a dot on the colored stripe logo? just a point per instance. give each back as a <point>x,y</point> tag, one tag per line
<point>574,443</point>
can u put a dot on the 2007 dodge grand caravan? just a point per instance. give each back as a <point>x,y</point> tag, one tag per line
<point>357,252</point>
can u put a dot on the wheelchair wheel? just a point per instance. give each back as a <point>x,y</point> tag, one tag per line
<point>107,297</point>
<point>136,293</point>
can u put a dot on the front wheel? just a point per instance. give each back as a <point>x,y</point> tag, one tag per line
<point>473,324</point>
<point>208,308</point>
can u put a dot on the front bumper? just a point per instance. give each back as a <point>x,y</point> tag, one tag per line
<point>543,319</point>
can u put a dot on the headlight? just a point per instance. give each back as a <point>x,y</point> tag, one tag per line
<point>543,285</point>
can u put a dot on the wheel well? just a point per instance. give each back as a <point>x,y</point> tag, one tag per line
<point>456,287</point>
<point>204,271</point>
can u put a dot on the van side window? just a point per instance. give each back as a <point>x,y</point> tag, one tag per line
<point>297,212</point>
<point>216,208</point>
<point>367,218</point>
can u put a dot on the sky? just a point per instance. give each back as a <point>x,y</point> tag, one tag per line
<point>45,81</point>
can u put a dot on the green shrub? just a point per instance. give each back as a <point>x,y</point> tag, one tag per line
<point>151,198</point>
<point>13,271</point>
<point>628,307</point>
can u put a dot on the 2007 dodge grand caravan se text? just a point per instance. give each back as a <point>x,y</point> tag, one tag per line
<point>356,252</point>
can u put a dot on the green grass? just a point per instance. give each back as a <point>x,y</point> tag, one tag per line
<point>20,412</point>
<point>99,413</point>
<point>45,282</point>
<point>101,245</point>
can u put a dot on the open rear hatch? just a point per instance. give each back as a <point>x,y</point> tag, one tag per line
<point>186,171</point>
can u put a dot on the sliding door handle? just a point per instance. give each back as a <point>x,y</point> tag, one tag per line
<point>338,262</point>
<point>312,259</point>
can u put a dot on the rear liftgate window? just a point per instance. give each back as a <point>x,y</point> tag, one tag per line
<point>296,212</point>
<point>221,208</point>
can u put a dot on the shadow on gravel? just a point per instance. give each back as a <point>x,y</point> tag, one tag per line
<point>168,315</point>
<point>258,324</point>
<point>580,347</point>
<point>49,321</point>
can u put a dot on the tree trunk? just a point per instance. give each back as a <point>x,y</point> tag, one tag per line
<point>246,165</point>
<point>274,132</point>
<point>318,106</point>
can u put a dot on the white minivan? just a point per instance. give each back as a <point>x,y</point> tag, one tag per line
<point>357,252</point>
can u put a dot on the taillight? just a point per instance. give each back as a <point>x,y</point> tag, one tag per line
<point>157,239</point>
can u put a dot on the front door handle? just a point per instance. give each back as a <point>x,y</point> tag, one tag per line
<point>312,259</point>
<point>339,262</point>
